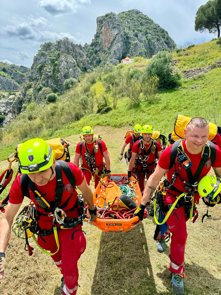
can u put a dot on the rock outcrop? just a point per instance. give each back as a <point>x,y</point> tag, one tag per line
<point>12,76</point>
<point>129,33</point>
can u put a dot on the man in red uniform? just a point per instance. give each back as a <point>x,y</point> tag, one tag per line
<point>130,139</point>
<point>92,151</point>
<point>193,161</point>
<point>59,214</point>
<point>145,152</point>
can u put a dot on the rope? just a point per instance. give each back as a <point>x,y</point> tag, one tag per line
<point>55,231</point>
<point>170,210</point>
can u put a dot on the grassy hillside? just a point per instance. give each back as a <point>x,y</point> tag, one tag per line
<point>197,96</point>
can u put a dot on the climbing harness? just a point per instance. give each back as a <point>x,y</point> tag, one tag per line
<point>172,207</point>
<point>143,155</point>
<point>185,199</point>
<point>26,224</point>
<point>90,157</point>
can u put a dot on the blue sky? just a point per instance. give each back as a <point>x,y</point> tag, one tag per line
<point>26,24</point>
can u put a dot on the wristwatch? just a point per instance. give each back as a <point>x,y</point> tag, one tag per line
<point>2,254</point>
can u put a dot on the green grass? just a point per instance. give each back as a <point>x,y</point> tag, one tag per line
<point>198,56</point>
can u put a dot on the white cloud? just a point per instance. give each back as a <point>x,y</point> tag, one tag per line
<point>23,31</point>
<point>37,30</point>
<point>27,30</point>
<point>56,7</point>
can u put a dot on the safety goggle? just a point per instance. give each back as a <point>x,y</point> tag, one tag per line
<point>36,167</point>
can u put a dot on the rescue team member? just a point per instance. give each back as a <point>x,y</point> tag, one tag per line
<point>145,152</point>
<point>130,139</point>
<point>36,161</point>
<point>193,161</point>
<point>92,151</point>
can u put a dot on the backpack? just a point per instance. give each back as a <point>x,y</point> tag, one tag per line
<point>128,133</point>
<point>60,148</point>
<point>160,138</point>
<point>180,124</point>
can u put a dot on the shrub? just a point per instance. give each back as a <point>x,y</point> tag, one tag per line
<point>162,67</point>
<point>69,83</point>
<point>42,95</point>
<point>51,97</point>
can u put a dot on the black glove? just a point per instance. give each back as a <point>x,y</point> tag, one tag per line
<point>140,211</point>
<point>107,172</point>
<point>93,213</point>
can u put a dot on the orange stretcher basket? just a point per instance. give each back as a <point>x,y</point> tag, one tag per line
<point>113,214</point>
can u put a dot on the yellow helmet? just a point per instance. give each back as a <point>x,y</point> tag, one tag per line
<point>35,155</point>
<point>87,130</point>
<point>209,187</point>
<point>137,128</point>
<point>147,129</point>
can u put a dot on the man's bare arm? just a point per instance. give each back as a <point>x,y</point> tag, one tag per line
<point>152,184</point>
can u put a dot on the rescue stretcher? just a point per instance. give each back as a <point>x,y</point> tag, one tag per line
<point>116,199</point>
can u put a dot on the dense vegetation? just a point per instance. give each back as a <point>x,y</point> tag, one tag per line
<point>123,95</point>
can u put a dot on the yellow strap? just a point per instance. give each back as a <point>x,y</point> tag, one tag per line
<point>55,231</point>
<point>169,212</point>
<point>42,198</point>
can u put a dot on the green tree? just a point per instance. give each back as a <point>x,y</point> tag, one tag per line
<point>208,17</point>
<point>161,66</point>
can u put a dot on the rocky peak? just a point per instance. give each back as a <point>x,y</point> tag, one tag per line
<point>129,33</point>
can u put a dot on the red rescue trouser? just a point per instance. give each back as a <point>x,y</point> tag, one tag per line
<point>88,175</point>
<point>177,226</point>
<point>72,245</point>
<point>141,178</point>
